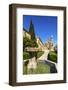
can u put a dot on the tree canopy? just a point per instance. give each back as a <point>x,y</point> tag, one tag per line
<point>31,31</point>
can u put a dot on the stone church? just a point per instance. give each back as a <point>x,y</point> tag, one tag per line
<point>48,45</point>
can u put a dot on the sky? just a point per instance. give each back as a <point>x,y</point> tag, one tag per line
<point>44,26</point>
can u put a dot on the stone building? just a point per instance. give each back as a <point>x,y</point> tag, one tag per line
<point>40,44</point>
<point>38,40</point>
<point>49,44</point>
<point>26,33</point>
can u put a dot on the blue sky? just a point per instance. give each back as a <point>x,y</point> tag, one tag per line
<point>44,26</point>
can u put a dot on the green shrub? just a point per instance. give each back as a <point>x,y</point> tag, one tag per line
<point>52,56</point>
<point>29,43</point>
<point>40,53</point>
<point>26,55</point>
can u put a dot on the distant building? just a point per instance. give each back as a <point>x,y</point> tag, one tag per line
<point>39,42</point>
<point>26,33</point>
<point>48,45</point>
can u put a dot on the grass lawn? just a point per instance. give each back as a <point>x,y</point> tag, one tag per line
<point>41,69</point>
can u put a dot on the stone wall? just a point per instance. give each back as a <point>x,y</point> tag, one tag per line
<point>26,34</point>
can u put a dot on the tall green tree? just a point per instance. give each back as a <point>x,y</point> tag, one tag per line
<point>31,31</point>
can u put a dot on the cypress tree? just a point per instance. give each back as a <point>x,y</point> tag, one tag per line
<point>31,31</point>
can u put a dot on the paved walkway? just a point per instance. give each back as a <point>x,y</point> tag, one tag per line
<point>32,63</point>
<point>44,56</point>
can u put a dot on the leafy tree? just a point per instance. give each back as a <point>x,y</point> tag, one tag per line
<point>28,43</point>
<point>32,33</point>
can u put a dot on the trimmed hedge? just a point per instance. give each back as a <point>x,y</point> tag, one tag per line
<point>26,55</point>
<point>52,56</point>
<point>29,43</point>
<point>40,53</point>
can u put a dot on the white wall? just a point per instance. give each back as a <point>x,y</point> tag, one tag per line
<point>4,47</point>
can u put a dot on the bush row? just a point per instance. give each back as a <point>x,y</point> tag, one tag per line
<point>52,56</point>
<point>27,55</point>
